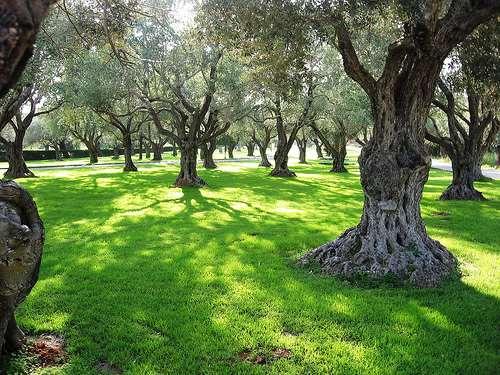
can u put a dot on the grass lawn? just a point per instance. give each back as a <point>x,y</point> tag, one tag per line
<point>152,279</point>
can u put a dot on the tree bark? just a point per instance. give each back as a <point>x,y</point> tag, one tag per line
<point>188,175</point>
<point>174,149</point>
<point>338,159</point>
<point>64,149</point>
<point>250,148</point>
<point>17,166</point>
<point>141,145</point>
<point>462,186</point>
<point>127,153</point>
<point>208,152</point>
<point>230,150</point>
<point>281,163</point>
<point>302,145</point>
<point>157,149</point>
<point>317,145</point>
<point>116,152</point>
<point>497,152</point>
<point>264,161</point>
<point>21,244</point>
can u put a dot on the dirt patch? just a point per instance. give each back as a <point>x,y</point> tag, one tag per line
<point>49,349</point>
<point>108,368</point>
<point>260,357</point>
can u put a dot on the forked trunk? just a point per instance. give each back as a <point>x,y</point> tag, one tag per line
<point>208,152</point>
<point>264,161</point>
<point>127,153</point>
<point>21,244</point>
<point>17,166</point>
<point>188,175</point>
<point>157,148</point>
<point>462,186</point>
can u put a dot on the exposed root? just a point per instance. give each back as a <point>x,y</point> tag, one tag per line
<point>282,173</point>
<point>423,263</point>
<point>461,192</point>
<point>190,182</point>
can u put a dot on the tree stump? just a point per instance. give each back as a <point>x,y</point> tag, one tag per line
<point>21,245</point>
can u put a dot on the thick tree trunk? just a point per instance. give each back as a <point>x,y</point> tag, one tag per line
<point>188,175</point>
<point>462,186</point>
<point>127,153</point>
<point>250,149</point>
<point>281,163</point>
<point>264,161</point>
<point>21,244</point>
<point>338,159</point>
<point>157,148</point>
<point>208,152</point>
<point>17,166</point>
<point>116,152</point>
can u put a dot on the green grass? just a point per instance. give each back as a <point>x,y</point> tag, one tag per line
<point>157,280</point>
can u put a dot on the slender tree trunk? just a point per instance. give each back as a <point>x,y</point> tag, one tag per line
<point>302,145</point>
<point>264,161</point>
<point>127,153</point>
<point>174,149</point>
<point>250,148</point>
<point>208,151</point>
<point>319,151</point>
<point>21,244</point>
<point>338,159</point>
<point>116,152</point>
<point>148,150</point>
<point>497,152</point>
<point>141,145</point>
<point>17,166</point>
<point>188,175</point>
<point>462,186</point>
<point>157,148</point>
<point>230,150</point>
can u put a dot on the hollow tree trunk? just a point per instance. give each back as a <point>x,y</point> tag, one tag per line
<point>21,244</point>
<point>157,148</point>
<point>391,240</point>
<point>264,161</point>
<point>208,151</point>
<point>462,186</point>
<point>250,148</point>
<point>127,153</point>
<point>17,166</point>
<point>188,175</point>
<point>338,159</point>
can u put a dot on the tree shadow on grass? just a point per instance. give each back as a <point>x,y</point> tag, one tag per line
<point>160,280</point>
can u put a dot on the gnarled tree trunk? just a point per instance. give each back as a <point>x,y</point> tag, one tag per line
<point>188,175</point>
<point>21,244</point>
<point>17,166</point>
<point>127,153</point>
<point>462,186</point>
